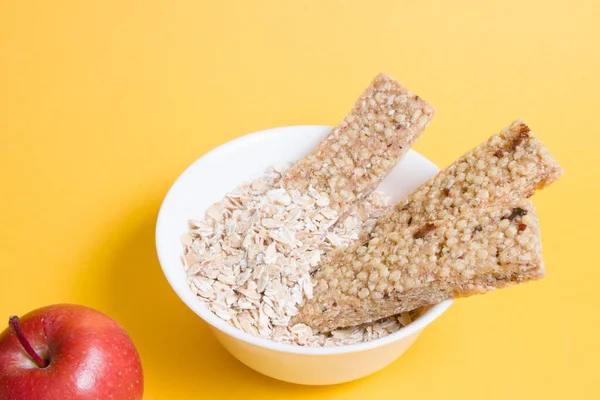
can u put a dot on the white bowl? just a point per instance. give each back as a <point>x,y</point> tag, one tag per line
<point>205,182</point>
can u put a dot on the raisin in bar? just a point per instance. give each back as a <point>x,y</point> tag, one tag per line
<point>359,153</point>
<point>463,232</point>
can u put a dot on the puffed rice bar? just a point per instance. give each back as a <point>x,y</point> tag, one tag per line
<point>507,167</point>
<point>463,232</point>
<point>359,153</point>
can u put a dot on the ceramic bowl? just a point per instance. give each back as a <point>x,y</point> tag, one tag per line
<point>205,182</point>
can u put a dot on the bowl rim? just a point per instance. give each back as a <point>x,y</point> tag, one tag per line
<point>203,312</point>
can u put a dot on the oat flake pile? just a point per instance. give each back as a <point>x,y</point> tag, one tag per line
<point>249,261</point>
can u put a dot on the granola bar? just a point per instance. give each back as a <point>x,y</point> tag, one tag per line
<point>481,251</point>
<point>359,153</point>
<point>507,167</point>
<point>463,232</point>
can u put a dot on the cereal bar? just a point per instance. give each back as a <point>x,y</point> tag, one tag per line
<point>359,153</point>
<point>509,166</point>
<point>420,266</point>
<point>463,232</point>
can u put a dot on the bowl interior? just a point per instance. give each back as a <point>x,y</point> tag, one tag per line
<point>221,170</point>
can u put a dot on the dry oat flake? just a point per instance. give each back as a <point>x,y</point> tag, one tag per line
<point>249,260</point>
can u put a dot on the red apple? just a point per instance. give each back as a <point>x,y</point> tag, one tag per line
<point>68,352</point>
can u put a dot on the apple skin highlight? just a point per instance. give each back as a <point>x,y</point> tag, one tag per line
<point>89,356</point>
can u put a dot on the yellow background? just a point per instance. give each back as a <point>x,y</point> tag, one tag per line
<point>104,103</point>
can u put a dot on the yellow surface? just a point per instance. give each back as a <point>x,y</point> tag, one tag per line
<point>104,103</point>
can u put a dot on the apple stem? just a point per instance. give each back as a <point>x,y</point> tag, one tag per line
<point>15,326</point>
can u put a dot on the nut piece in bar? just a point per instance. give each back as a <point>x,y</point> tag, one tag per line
<point>359,153</point>
<point>464,231</point>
